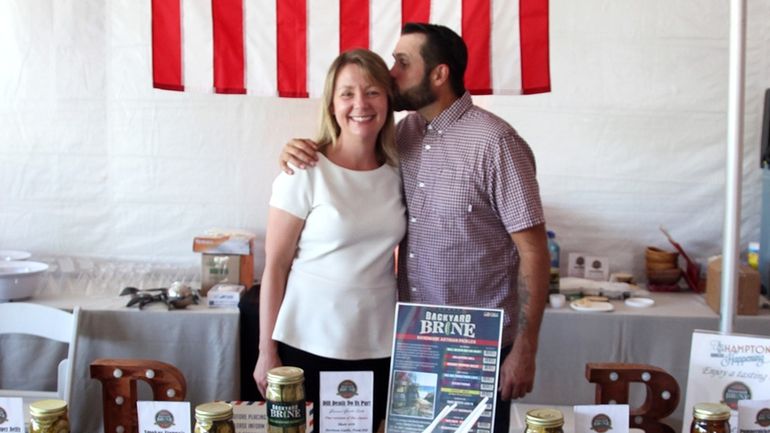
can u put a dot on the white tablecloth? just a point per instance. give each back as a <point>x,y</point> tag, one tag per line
<point>659,336</point>
<point>203,343</point>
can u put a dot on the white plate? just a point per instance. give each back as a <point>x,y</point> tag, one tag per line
<point>640,302</point>
<point>592,307</point>
<point>8,255</point>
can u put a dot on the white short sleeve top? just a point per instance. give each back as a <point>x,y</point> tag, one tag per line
<point>341,290</point>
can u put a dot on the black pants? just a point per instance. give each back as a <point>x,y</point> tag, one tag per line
<point>502,408</point>
<point>313,365</point>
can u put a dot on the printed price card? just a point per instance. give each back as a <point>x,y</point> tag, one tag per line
<point>163,416</point>
<point>754,416</point>
<point>11,415</point>
<point>346,401</point>
<point>601,418</point>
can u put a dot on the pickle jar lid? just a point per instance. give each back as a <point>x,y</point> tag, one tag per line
<point>285,375</point>
<point>217,411</point>
<point>711,411</point>
<point>545,417</point>
<point>47,408</point>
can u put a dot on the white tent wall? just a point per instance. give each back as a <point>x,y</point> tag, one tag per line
<point>95,163</point>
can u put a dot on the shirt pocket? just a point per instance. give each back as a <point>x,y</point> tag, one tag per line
<point>453,196</point>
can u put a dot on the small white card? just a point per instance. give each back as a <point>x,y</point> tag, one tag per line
<point>163,416</point>
<point>597,268</point>
<point>601,418</point>
<point>11,415</point>
<point>577,265</point>
<point>754,416</point>
<point>346,401</point>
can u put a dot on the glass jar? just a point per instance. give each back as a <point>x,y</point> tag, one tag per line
<point>286,400</point>
<point>710,418</point>
<point>544,420</point>
<point>214,418</point>
<point>49,416</point>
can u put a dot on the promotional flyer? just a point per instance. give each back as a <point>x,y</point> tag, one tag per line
<point>443,357</point>
<point>726,369</point>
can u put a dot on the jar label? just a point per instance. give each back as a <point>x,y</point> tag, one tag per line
<point>285,413</point>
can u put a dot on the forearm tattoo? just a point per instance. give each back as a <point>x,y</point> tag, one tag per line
<point>523,292</point>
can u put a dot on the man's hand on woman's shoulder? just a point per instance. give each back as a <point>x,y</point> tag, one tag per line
<point>300,152</point>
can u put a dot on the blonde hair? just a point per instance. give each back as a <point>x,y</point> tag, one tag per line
<point>377,73</point>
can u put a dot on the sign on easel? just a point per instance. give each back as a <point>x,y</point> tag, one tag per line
<point>726,369</point>
<point>443,373</point>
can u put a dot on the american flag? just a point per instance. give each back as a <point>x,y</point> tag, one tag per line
<point>284,47</point>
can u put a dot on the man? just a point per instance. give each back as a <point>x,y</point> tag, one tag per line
<point>476,231</point>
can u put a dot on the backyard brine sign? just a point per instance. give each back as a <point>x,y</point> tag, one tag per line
<point>443,357</point>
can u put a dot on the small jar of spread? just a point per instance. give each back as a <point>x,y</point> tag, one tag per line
<point>214,418</point>
<point>710,418</point>
<point>49,416</point>
<point>285,400</point>
<point>544,420</point>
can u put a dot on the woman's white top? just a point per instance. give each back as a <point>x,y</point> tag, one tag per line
<point>341,291</point>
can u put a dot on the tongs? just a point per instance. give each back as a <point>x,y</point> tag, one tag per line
<point>692,272</point>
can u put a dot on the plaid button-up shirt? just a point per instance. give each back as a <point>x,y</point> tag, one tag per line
<point>469,181</point>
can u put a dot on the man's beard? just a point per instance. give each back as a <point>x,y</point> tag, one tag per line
<point>415,97</point>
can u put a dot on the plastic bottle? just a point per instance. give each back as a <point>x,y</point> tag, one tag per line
<point>553,250</point>
<point>752,256</point>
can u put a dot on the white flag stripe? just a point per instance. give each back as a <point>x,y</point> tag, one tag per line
<point>197,45</point>
<point>323,45</point>
<point>260,41</point>
<point>384,27</point>
<point>505,47</point>
<point>448,13</point>
<point>260,47</point>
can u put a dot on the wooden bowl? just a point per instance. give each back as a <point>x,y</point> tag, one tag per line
<point>664,276</point>
<point>653,254</point>
<point>659,266</point>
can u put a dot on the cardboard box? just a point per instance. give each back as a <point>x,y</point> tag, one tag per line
<point>227,258</point>
<point>748,288</point>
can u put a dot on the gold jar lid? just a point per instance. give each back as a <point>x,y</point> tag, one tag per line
<point>217,411</point>
<point>711,411</point>
<point>47,408</point>
<point>545,417</point>
<point>285,375</point>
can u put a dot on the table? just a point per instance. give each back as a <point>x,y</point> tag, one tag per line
<point>659,336</point>
<point>202,343</point>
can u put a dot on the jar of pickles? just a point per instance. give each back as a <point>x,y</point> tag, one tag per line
<point>710,418</point>
<point>49,416</point>
<point>285,400</point>
<point>544,420</point>
<point>214,418</point>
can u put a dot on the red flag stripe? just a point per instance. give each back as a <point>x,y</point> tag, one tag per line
<point>476,26</point>
<point>354,24</point>
<point>292,48</point>
<point>535,70</point>
<point>415,11</point>
<point>227,16</point>
<point>167,45</point>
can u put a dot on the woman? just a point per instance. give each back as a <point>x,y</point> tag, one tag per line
<point>328,291</point>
